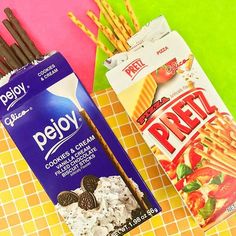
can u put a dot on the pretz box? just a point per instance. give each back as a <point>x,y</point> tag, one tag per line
<point>182,119</point>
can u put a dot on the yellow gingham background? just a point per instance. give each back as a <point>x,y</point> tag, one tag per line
<point>25,209</point>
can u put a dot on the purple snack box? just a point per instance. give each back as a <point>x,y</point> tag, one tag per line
<point>72,150</point>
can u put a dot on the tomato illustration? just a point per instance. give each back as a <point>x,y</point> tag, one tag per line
<point>165,72</point>
<point>225,189</point>
<point>195,202</point>
<point>180,184</point>
<point>230,200</point>
<point>195,158</point>
<point>203,175</point>
<point>169,167</point>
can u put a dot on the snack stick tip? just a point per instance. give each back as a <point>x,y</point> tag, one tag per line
<point>78,23</point>
<point>126,25</point>
<point>132,15</point>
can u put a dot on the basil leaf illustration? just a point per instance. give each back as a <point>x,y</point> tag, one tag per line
<point>183,170</point>
<point>218,179</point>
<point>199,165</point>
<point>191,187</point>
<point>208,209</point>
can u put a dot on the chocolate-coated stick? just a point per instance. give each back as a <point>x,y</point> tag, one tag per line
<point>19,54</point>
<point>30,44</point>
<point>3,68</point>
<point>3,42</point>
<point>15,57</point>
<point>18,39</point>
<point>8,58</point>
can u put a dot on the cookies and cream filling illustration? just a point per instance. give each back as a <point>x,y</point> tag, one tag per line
<point>69,92</point>
<point>100,212</point>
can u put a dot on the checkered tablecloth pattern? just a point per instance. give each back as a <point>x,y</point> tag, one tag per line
<point>25,208</point>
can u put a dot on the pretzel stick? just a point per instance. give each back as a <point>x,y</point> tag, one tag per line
<point>220,143</point>
<point>232,135</point>
<point>214,138</point>
<point>108,33</point>
<point>219,123</point>
<point>113,25</point>
<point>126,25</point>
<point>226,151</point>
<point>214,160</point>
<point>115,19</point>
<point>111,37</point>
<point>223,126</point>
<point>105,30</point>
<point>120,46</point>
<point>229,159</point>
<point>229,122</point>
<point>221,138</point>
<point>104,12</point>
<point>122,39</point>
<point>89,34</point>
<point>132,15</point>
<point>233,122</point>
<point>230,153</point>
<point>207,163</point>
<point>229,141</point>
<point>112,157</point>
<point>216,132</point>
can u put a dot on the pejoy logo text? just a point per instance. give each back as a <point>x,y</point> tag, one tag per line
<point>57,133</point>
<point>13,95</point>
<point>134,68</point>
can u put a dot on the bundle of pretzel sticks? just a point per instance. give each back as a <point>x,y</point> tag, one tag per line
<point>119,32</point>
<point>20,53</point>
<point>219,138</point>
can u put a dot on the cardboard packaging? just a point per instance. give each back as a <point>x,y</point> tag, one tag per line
<point>182,119</point>
<point>72,151</point>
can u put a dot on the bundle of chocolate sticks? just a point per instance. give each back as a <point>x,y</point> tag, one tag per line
<point>20,53</point>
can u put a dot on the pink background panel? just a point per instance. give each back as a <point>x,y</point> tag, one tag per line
<point>48,25</point>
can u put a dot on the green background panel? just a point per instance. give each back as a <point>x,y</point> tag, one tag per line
<point>209,28</point>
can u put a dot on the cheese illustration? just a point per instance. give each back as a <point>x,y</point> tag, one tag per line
<point>140,96</point>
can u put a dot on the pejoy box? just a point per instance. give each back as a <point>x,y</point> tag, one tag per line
<point>72,151</point>
<point>181,117</point>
